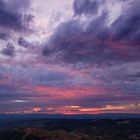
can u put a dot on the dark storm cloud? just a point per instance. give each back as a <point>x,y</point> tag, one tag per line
<point>10,20</point>
<point>4,36</point>
<point>12,16</point>
<point>136,75</point>
<point>73,44</point>
<point>22,42</point>
<point>127,26</point>
<point>9,50</point>
<point>80,47</point>
<point>85,7</point>
<point>98,43</point>
<point>64,39</point>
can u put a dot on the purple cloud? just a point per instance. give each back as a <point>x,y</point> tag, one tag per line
<point>12,16</point>
<point>9,50</point>
<point>85,6</point>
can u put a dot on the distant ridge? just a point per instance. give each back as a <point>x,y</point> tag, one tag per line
<point>62,116</point>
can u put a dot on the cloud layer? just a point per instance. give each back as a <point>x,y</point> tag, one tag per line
<point>77,57</point>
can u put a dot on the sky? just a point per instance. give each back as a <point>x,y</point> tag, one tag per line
<point>69,56</point>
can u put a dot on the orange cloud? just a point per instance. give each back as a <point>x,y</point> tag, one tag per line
<point>37,109</point>
<point>83,110</point>
<point>69,110</point>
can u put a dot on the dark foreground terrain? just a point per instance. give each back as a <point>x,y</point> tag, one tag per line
<point>72,129</point>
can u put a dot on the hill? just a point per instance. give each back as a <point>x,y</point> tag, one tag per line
<point>73,129</point>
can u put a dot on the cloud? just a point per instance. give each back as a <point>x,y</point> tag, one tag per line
<point>4,36</point>
<point>85,6</point>
<point>12,16</point>
<point>94,42</point>
<point>9,50</point>
<point>90,58</point>
<point>22,42</point>
<point>137,75</point>
<point>126,27</point>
